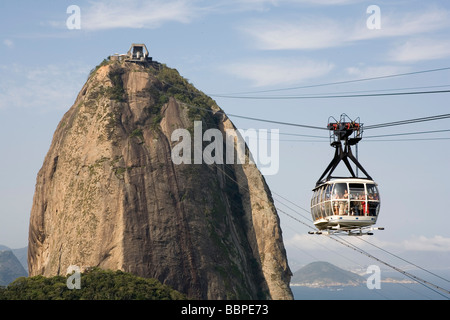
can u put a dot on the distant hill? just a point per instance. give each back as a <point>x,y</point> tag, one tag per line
<point>324,274</point>
<point>20,253</point>
<point>10,268</point>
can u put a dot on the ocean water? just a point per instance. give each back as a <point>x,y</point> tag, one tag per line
<point>387,291</point>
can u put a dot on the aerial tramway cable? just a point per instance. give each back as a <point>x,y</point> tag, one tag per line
<point>236,94</point>
<point>353,247</point>
<point>340,82</point>
<point>334,96</point>
<point>254,119</point>
<point>409,121</point>
<point>409,275</point>
<point>306,126</point>
<point>398,257</point>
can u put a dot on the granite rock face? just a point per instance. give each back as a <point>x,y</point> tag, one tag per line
<point>109,195</point>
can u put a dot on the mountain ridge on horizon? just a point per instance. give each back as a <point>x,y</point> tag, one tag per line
<point>325,274</point>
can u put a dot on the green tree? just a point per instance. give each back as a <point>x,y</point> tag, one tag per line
<point>96,284</point>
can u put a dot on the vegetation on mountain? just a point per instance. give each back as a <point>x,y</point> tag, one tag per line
<point>96,284</point>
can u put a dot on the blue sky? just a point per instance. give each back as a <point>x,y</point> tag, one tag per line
<point>230,47</point>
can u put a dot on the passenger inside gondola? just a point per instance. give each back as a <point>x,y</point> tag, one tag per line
<point>340,195</point>
<point>373,208</point>
<point>356,207</point>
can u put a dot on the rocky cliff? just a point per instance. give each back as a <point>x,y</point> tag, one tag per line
<point>109,195</point>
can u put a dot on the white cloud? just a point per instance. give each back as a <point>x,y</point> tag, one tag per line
<point>136,14</point>
<point>8,43</point>
<point>421,49</point>
<point>248,4</point>
<point>322,243</point>
<point>239,6</point>
<point>422,243</point>
<point>395,24</point>
<point>375,71</point>
<point>327,2</point>
<point>306,33</point>
<point>278,72</point>
<point>298,2</point>
<point>43,87</point>
<point>307,242</point>
<point>317,32</point>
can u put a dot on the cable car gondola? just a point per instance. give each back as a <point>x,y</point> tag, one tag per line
<point>345,204</point>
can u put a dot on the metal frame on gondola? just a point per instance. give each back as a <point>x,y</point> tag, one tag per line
<point>357,213</point>
<point>343,135</point>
